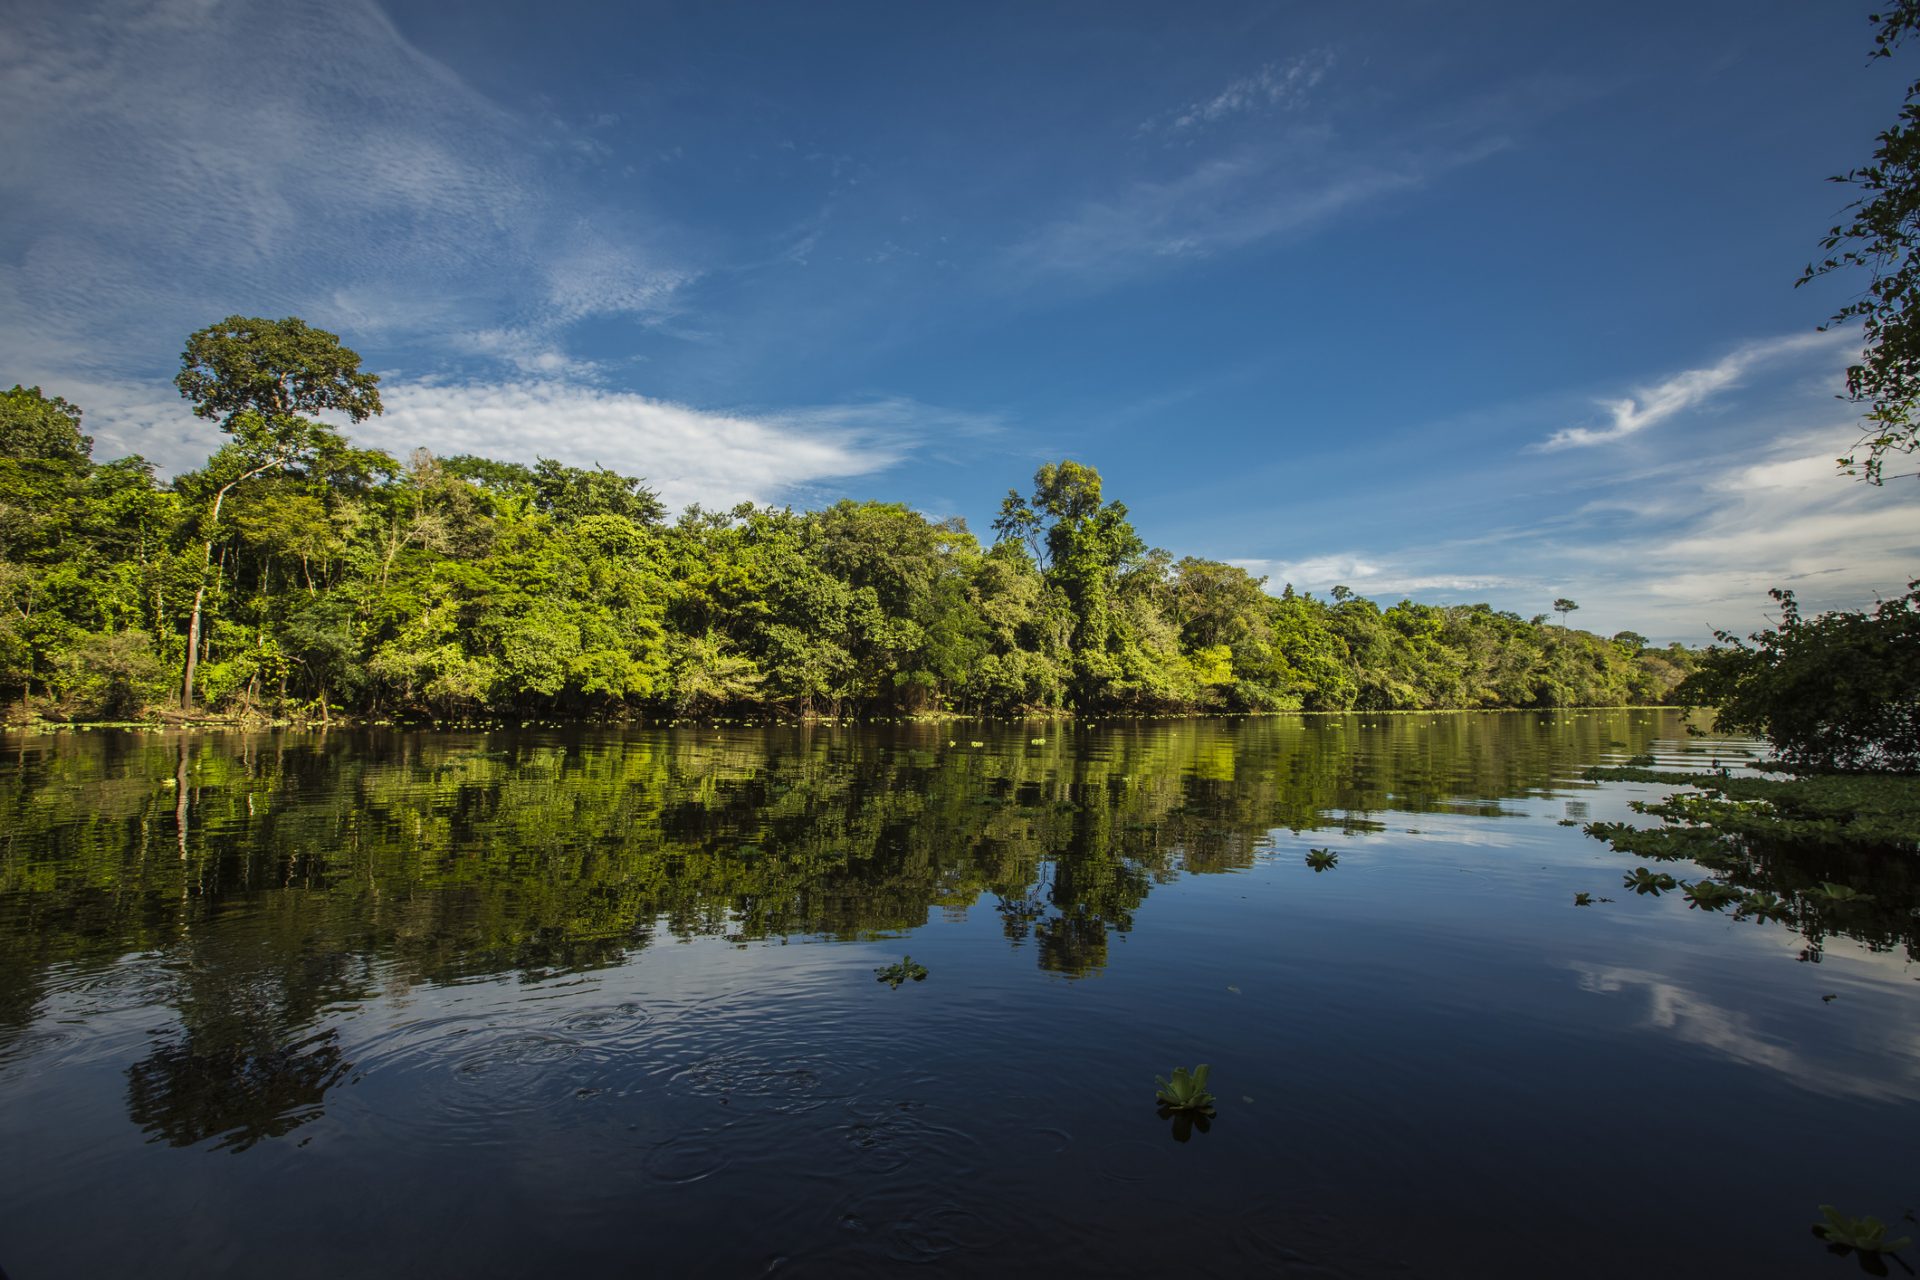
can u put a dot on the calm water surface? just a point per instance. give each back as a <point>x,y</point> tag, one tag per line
<point>437,1004</point>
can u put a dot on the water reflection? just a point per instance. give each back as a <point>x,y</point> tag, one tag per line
<point>244,895</point>
<point>466,855</point>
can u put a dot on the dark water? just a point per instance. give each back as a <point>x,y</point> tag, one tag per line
<point>410,1004</point>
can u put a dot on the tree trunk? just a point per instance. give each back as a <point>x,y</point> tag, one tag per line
<point>193,637</point>
<point>206,562</point>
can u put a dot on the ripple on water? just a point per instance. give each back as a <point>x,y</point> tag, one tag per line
<point>1130,1160</point>
<point>480,1079</point>
<point>884,1137</point>
<point>511,1053</point>
<point>687,1157</point>
<point>619,1019</point>
<point>788,1083</point>
<point>912,1223</point>
<point>39,1040</point>
<point>144,982</point>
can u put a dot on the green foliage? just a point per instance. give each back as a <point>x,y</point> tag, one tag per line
<point>1788,851</point>
<point>273,369</point>
<point>1185,1091</point>
<point>1867,1235</point>
<point>902,970</point>
<point>34,426</point>
<point>1322,859</point>
<point>1867,810</point>
<point>1838,691</point>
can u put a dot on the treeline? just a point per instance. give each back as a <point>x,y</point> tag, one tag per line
<point>295,575</point>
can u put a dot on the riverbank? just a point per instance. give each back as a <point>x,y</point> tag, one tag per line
<point>175,721</point>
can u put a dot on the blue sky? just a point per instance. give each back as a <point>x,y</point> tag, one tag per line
<point>1463,302</point>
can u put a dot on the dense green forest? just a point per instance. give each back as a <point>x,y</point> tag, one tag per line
<point>295,575</point>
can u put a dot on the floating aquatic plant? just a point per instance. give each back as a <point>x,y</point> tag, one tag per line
<point>1322,859</point>
<point>1582,899</point>
<point>1185,1092</point>
<point>895,974</point>
<point>1868,1236</point>
<point>1830,892</point>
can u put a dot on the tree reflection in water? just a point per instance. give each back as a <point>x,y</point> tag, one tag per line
<point>278,876</point>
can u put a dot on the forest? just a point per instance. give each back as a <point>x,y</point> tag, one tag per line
<point>295,576</point>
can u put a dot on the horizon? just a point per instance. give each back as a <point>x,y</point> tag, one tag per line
<point>1538,267</point>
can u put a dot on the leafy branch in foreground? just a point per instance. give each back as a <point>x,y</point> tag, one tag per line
<point>1882,239</point>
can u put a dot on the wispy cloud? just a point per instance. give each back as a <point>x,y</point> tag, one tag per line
<point>1275,86</point>
<point>1674,543</point>
<point>1705,548</point>
<point>1226,203</point>
<point>1283,179</point>
<point>1674,551</point>
<point>1653,405</point>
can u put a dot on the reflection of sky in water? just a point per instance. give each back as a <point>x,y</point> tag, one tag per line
<point>1829,1064</point>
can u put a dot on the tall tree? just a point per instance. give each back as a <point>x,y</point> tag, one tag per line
<point>1087,542</point>
<point>260,378</point>
<point>33,425</point>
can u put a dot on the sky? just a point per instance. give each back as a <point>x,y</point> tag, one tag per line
<point>1489,302</point>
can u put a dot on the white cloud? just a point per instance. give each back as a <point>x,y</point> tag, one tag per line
<point>1367,576</point>
<point>1674,540</point>
<point>1716,543</point>
<point>1674,552</point>
<point>151,419</point>
<point>1656,404</point>
<point>686,454</point>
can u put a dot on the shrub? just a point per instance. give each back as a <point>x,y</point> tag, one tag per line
<point>115,676</point>
<point>1837,691</point>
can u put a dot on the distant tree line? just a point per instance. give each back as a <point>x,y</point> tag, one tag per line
<point>296,575</point>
